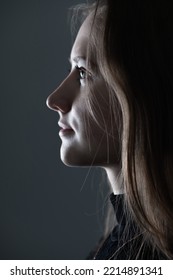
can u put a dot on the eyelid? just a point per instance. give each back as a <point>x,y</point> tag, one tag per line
<point>81,68</point>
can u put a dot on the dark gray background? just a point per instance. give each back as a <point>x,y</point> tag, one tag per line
<point>43,212</point>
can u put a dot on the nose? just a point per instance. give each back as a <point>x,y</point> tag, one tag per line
<point>61,99</point>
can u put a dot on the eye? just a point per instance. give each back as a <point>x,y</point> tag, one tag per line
<point>82,72</point>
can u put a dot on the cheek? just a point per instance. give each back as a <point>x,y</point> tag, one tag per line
<point>88,132</point>
<point>99,106</point>
<point>97,117</point>
<point>105,115</point>
<point>92,143</point>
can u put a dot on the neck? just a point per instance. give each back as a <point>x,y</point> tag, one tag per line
<point>115,179</point>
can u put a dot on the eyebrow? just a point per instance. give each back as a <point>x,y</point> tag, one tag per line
<point>77,58</point>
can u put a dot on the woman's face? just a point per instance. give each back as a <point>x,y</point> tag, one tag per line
<point>84,142</point>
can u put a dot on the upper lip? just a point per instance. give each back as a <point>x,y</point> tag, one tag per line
<point>64,126</point>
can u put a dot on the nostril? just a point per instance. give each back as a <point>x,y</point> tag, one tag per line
<point>62,105</point>
<point>58,104</point>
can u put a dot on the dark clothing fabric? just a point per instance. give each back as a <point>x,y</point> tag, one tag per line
<point>125,241</point>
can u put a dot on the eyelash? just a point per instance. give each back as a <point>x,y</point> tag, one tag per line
<point>81,71</point>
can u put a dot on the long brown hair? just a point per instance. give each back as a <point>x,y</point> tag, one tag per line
<point>133,42</point>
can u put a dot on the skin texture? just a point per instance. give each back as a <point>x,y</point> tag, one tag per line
<point>85,142</point>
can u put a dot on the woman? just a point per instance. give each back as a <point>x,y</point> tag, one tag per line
<point>115,110</point>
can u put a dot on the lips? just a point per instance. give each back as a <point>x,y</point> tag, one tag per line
<point>64,126</point>
<point>65,129</point>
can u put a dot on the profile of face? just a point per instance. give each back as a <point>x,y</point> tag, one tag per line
<point>85,142</point>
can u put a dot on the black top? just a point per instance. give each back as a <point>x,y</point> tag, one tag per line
<point>125,241</point>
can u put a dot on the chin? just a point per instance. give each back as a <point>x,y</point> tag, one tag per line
<point>76,156</point>
<point>73,159</point>
<point>69,162</point>
<point>75,162</point>
<point>77,159</point>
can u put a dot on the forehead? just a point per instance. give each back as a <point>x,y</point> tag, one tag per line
<point>79,48</point>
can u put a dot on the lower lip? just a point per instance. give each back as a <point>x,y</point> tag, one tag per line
<point>66,132</point>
